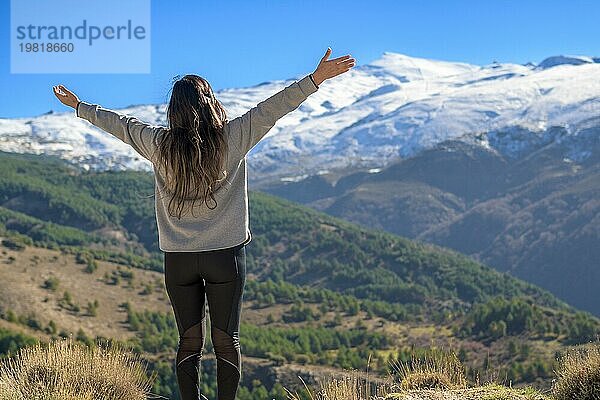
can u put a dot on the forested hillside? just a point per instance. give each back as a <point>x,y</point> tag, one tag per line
<point>321,293</point>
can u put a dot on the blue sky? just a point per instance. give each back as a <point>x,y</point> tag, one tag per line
<point>243,43</point>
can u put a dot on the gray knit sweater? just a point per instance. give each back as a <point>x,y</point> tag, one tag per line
<point>227,225</point>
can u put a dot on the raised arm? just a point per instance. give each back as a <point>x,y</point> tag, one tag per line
<point>139,135</point>
<point>248,129</point>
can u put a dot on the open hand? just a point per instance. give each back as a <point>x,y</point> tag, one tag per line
<point>65,96</point>
<point>329,68</point>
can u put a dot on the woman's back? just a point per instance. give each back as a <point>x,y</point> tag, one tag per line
<point>227,225</point>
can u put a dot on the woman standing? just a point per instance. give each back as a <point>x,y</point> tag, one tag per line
<point>201,156</point>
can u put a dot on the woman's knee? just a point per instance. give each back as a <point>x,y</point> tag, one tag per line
<point>223,342</point>
<point>191,343</point>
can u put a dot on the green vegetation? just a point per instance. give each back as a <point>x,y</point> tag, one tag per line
<point>325,269</point>
<point>500,317</point>
<point>271,292</point>
<point>371,271</point>
<point>366,264</point>
<point>51,283</point>
<point>157,332</point>
<point>11,342</point>
<point>92,308</point>
<point>68,303</point>
<point>13,243</point>
<point>84,257</point>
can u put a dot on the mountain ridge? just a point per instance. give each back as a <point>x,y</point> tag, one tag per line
<point>393,107</point>
<point>532,212</point>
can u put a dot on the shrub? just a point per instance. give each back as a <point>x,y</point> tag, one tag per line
<point>64,369</point>
<point>92,308</point>
<point>91,266</point>
<point>436,370</point>
<point>578,374</point>
<point>67,302</point>
<point>276,358</point>
<point>147,289</point>
<point>13,244</point>
<point>11,317</point>
<point>51,283</point>
<point>51,328</point>
<point>81,258</point>
<point>302,359</point>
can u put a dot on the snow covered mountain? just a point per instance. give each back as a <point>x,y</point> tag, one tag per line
<point>395,106</point>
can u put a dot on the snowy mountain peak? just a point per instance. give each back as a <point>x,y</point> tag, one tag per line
<point>565,60</point>
<point>395,106</point>
<point>408,68</point>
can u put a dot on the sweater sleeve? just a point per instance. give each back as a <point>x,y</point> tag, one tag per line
<point>248,129</point>
<point>139,135</point>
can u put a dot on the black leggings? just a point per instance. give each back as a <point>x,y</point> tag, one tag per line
<point>220,275</point>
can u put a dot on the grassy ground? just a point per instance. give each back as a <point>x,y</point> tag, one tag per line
<point>23,291</point>
<point>486,392</point>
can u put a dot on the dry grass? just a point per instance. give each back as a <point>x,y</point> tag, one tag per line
<point>439,376</point>
<point>437,370</point>
<point>489,391</point>
<point>67,370</point>
<point>22,291</point>
<point>578,375</point>
<point>353,385</point>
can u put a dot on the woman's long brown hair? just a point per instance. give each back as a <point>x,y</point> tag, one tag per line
<point>192,151</point>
